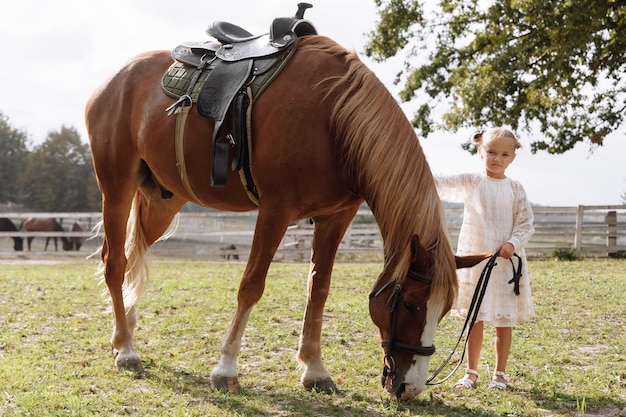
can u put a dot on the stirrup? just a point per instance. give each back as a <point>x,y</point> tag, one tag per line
<point>497,384</point>
<point>465,382</point>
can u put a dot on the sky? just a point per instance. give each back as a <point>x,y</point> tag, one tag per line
<point>56,53</point>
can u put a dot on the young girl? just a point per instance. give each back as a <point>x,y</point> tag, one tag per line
<point>497,217</point>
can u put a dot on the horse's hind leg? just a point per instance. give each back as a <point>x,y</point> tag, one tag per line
<point>270,228</point>
<point>326,239</point>
<point>149,218</point>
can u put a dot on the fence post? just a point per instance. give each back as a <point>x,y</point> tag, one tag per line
<point>611,232</point>
<point>578,238</point>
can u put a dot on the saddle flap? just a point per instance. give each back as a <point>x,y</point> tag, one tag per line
<point>221,86</point>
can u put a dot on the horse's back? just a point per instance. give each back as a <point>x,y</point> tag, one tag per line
<point>41,224</point>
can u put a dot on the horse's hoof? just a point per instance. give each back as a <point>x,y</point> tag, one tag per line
<point>225,383</point>
<point>327,386</point>
<point>132,365</point>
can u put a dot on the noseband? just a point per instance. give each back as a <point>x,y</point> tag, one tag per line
<point>391,343</point>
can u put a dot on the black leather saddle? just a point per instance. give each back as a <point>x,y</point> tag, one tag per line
<point>233,57</point>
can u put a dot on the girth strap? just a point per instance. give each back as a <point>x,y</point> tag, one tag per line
<point>181,120</point>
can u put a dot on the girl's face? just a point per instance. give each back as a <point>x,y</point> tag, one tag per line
<point>497,154</point>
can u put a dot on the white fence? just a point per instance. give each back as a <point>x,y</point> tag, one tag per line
<point>587,230</point>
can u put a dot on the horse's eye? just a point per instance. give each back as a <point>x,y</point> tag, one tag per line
<point>410,307</point>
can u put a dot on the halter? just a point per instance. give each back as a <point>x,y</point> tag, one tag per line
<point>391,343</point>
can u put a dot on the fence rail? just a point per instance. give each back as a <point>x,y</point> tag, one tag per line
<point>586,230</point>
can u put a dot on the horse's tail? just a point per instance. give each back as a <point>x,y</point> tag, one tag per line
<point>136,276</point>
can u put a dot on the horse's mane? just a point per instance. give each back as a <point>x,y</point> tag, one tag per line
<point>381,148</point>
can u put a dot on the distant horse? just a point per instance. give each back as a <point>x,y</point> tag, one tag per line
<point>7,225</point>
<point>325,136</point>
<point>39,224</point>
<point>77,241</point>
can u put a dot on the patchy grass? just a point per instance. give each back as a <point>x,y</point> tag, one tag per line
<point>55,358</point>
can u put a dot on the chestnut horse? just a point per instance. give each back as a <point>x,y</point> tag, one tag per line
<point>38,224</point>
<point>326,135</point>
<point>6,225</point>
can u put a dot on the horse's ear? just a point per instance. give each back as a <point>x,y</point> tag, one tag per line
<point>419,255</point>
<point>469,261</point>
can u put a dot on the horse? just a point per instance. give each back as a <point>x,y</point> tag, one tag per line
<point>77,241</point>
<point>326,136</point>
<point>7,225</point>
<point>39,224</point>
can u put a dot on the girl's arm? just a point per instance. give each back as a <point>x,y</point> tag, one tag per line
<point>454,188</point>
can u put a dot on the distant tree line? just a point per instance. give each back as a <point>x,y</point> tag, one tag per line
<point>53,176</point>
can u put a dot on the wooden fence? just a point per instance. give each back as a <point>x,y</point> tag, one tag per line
<point>585,230</point>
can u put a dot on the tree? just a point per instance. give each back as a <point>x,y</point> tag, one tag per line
<point>59,175</point>
<point>557,66</point>
<point>13,152</point>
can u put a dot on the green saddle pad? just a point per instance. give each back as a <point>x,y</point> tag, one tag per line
<point>176,79</point>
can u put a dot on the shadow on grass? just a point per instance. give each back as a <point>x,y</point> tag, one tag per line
<point>567,403</point>
<point>253,400</point>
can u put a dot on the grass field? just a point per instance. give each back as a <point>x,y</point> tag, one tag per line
<point>55,357</point>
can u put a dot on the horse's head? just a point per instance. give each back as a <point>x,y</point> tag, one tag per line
<point>400,309</point>
<point>67,244</point>
<point>18,243</point>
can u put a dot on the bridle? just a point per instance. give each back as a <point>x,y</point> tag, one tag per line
<point>389,363</point>
<point>391,343</point>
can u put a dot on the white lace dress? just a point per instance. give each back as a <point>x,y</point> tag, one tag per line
<point>495,211</point>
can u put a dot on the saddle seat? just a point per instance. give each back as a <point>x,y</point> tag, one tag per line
<point>228,33</point>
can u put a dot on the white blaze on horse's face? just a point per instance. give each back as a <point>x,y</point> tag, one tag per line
<point>416,376</point>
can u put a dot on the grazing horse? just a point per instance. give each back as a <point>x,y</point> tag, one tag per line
<point>326,135</point>
<point>39,224</point>
<point>7,225</point>
<point>77,241</point>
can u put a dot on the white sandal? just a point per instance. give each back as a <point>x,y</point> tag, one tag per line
<point>497,384</point>
<point>466,382</point>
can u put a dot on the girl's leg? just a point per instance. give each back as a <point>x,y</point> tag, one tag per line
<point>503,347</point>
<point>474,346</point>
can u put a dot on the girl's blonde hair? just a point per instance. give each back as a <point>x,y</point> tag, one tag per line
<point>484,136</point>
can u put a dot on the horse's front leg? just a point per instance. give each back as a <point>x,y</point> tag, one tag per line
<point>328,234</point>
<point>270,228</point>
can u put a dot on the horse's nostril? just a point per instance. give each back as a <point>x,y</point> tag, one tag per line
<point>401,389</point>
